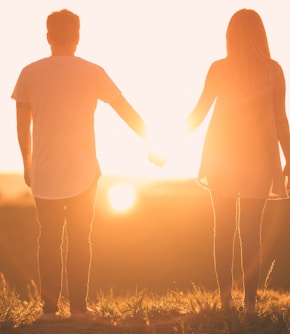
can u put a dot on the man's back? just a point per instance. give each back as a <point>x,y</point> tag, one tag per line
<point>62,92</point>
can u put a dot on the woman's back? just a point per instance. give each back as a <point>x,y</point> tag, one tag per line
<point>241,152</point>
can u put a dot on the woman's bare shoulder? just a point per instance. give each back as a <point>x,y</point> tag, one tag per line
<point>218,66</point>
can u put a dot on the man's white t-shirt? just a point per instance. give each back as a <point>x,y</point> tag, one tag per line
<point>62,92</point>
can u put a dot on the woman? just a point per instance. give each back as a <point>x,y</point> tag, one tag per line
<point>240,163</point>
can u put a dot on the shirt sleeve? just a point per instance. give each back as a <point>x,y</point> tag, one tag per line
<point>20,93</point>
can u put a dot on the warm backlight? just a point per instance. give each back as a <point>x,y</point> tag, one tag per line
<point>122,197</point>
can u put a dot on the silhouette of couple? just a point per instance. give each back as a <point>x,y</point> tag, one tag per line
<point>240,163</point>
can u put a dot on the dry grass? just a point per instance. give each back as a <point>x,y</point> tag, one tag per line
<point>192,312</point>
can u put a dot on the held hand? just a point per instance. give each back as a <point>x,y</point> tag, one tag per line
<point>156,159</point>
<point>156,147</point>
<point>165,142</point>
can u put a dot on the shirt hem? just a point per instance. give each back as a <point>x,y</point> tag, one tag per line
<point>95,178</point>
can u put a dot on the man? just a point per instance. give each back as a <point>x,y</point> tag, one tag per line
<point>58,95</point>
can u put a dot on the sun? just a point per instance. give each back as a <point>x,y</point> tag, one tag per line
<point>122,196</point>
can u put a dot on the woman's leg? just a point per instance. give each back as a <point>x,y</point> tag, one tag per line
<point>225,223</point>
<point>50,215</point>
<point>251,215</point>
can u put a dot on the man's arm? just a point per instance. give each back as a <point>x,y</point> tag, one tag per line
<point>136,123</point>
<point>129,115</point>
<point>24,119</point>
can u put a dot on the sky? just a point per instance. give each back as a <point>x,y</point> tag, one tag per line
<point>156,51</point>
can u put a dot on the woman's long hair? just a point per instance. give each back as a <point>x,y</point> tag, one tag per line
<point>247,47</point>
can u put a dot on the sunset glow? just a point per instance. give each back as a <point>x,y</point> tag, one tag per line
<point>157,52</point>
<point>122,197</point>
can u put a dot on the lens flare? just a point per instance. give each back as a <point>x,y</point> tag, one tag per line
<point>122,197</point>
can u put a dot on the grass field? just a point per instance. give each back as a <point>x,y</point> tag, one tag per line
<point>192,312</point>
<point>152,269</point>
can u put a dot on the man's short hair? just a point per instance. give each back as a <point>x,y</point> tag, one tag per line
<point>63,27</point>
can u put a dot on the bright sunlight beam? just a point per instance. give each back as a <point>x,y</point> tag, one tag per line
<point>162,81</point>
<point>122,197</point>
<point>168,141</point>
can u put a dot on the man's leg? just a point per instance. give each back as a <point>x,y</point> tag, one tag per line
<point>50,215</point>
<point>80,214</point>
